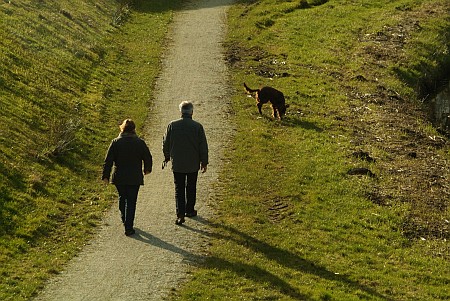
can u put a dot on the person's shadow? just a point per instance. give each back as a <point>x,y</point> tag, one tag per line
<point>281,256</point>
<point>150,239</point>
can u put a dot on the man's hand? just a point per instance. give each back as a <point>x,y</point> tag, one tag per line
<point>204,167</point>
<point>164,163</point>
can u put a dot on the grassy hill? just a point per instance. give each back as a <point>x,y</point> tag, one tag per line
<point>292,223</point>
<point>64,73</point>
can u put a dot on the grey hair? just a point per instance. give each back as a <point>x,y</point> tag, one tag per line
<point>186,107</point>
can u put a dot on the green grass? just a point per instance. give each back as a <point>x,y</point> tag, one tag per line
<point>291,224</point>
<point>69,74</point>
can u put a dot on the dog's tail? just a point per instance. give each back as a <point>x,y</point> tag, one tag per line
<point>250,90</point>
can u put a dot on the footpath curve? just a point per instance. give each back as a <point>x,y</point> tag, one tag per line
<point>157,259</point>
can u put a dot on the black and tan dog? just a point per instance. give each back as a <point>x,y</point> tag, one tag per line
<point>268,94</point>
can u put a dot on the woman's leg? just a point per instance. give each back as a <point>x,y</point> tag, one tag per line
<point>122,191</point>
<point>127,204</point>
<point>130,210</point>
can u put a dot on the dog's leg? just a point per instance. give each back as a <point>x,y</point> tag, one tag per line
<point>275,112</point>
<point>259,105</point>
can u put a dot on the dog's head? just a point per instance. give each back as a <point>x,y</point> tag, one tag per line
<point>282,110</point>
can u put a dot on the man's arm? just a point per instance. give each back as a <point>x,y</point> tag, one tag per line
<point>166,143</point>
<point>203,148</point>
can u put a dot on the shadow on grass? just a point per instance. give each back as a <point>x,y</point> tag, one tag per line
<point>297,122</point>
<point>293,122</point>
<point>282,257</point>
<point>258,275</point>
<point>159,6</point>
<point>6,212</point>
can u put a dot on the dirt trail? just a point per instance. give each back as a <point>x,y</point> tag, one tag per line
<point>158,257</point>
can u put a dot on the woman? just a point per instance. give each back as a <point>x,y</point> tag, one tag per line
<point>126,154</point>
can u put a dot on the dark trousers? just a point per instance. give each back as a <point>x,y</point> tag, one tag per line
<point>185,192</point>
<point>127,203</point>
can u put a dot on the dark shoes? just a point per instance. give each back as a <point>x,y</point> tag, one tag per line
<point>180,221</point>
<point>129,232</point>
<point>191,214</point>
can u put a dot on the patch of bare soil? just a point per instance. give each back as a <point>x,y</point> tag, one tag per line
<point>412,167</point>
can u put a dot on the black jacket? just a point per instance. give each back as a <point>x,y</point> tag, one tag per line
<point>185,144</point>
<point>126,154</point>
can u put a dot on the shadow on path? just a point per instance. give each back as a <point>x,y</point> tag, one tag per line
<point>150,239</point>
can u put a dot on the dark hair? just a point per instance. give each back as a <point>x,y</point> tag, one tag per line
<point>128,126</point>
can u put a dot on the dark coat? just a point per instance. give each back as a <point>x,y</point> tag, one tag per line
<point>185,144</point>
<point>126,154</point>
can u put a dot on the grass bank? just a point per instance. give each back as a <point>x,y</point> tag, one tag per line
<point>70,72</point>
<point>292,222</point>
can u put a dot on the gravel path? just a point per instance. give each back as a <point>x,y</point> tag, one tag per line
<point>148,265</point>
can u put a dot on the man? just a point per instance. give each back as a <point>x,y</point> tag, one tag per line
<point>185,145</point>
<point>127,153</point>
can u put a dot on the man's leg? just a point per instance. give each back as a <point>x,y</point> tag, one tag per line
<point>180,193</point>
<point>191,193</point>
